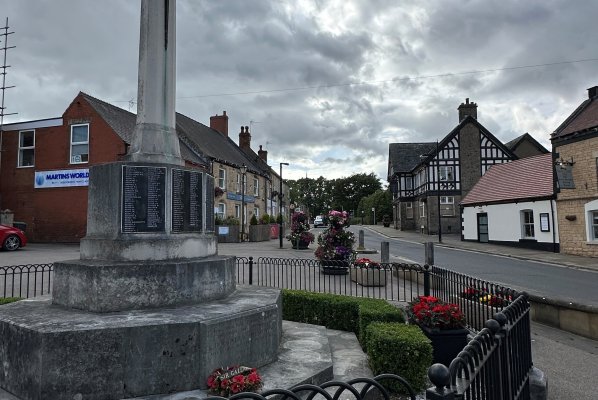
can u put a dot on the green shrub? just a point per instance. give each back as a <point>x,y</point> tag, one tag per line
<point>230,220</point>
<point>375,310</point>
<point>253,220</point>
<point>343,313</point>
<point>265,219</point>
<point>279,219</point>
<point>329,310</point>
<point>6,300</point>
<point>399,349</point>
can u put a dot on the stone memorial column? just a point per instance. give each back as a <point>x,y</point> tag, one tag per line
<point>150,307</point>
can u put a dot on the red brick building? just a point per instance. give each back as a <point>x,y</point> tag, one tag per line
<point>44,164</point>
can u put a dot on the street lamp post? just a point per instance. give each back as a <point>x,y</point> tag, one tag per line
<point>362,215</point>
<point>243,172</point>
<point>438,197</point>
<point>280,205</point>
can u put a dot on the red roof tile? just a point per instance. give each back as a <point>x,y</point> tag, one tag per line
<point>527,178</point>
<point>586,118</point>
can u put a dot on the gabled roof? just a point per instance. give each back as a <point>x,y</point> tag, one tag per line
<point>214,144</point>
<point>528,178</point>
<point>584,118</point>
<point>196,140</point>
<point>123,123</point>
<point>404,157</point>
<point>526,137</point>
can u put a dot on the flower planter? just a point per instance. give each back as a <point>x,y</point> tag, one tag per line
<point>300,244</point>
<point>446,344</point>
<point>228,233</point>
<point>274,228</point>
<point>369,277</point>
<point>334,267</point>
<point>259,233</point>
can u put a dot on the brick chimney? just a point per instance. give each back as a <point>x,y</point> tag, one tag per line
<point>466,109</point>
<point>245,138</point>
<point>263,154</point>
<point>592,92</point>
<point>220,123</point>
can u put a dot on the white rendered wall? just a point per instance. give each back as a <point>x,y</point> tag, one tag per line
<point>504,221</point>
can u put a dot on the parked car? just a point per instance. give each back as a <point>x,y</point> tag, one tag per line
<point>11,238</point>
<point>319,221</point>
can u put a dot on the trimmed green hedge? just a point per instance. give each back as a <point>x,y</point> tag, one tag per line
<point>6,300</point>
<point>399,349</point>
<point>344,313</point>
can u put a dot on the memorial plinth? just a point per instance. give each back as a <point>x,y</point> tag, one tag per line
<point>51,352</point>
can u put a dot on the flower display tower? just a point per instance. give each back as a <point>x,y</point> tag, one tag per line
<point>150,307</point>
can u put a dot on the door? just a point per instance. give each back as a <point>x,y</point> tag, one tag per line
<point>483,227</point>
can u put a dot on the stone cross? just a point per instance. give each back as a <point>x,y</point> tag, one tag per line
<point>154,138</point>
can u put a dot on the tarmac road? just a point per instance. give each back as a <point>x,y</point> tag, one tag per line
<point>570,362</point>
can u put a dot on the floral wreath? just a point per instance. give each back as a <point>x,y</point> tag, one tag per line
<point>233,380</point>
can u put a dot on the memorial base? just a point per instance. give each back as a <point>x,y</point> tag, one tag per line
<point>49,352</point>
<point>102,286</point>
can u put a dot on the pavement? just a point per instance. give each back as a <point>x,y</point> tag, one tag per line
<point>569,361</point>
<point>454,241</point>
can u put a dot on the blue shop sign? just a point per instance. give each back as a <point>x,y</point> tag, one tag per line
<point>239,197</point>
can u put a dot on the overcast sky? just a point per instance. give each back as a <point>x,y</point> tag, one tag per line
<point>327,84</point>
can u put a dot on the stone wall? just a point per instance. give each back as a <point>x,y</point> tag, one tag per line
<point>469,153</point>
<point>570,202</point>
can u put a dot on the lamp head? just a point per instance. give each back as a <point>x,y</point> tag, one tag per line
<point>243,168</point>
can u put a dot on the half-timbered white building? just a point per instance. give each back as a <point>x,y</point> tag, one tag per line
<point>431,178</point>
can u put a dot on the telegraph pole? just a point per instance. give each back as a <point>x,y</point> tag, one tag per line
<point>3,67</point>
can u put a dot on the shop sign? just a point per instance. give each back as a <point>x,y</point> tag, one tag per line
<point>61,178</point>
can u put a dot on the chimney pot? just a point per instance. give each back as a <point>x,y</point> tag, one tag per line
<point>593,92</point>
<point>263,154</point>
<point>220,123</point>
<point>466,109</point>
<point>245,138</point>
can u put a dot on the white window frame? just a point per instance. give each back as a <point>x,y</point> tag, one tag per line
<point>256,212</point>
<point>446,173</point>
<point>449,206</point>
<point>24,148</point>
<point>591,211</point>
<point>239,182</point>
<point>256,187</point>
<point>222,178</point>
<point>527,224</point>
<point>78,144</point>
<point>238,211</point>
<point>422,209</point>
<point>221,210</point>
<point>409,210</point>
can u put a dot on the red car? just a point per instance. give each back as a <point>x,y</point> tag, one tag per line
<point>11,238</point>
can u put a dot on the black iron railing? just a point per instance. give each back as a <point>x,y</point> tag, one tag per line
<point>26,280</point>
<point>358,389</point>
<point>390,281</point>
<point>478,299</point>
<point>495,365</point>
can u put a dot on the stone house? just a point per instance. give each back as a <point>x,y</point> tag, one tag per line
<point>575,153</point>
<point>429,179</point>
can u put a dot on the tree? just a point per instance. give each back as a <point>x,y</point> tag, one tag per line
<point>320,195</point>
<point>381,201</point>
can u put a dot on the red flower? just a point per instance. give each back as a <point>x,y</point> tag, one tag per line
<point>236,387</point>
<point>432,312</point>
<point>234,379</point>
